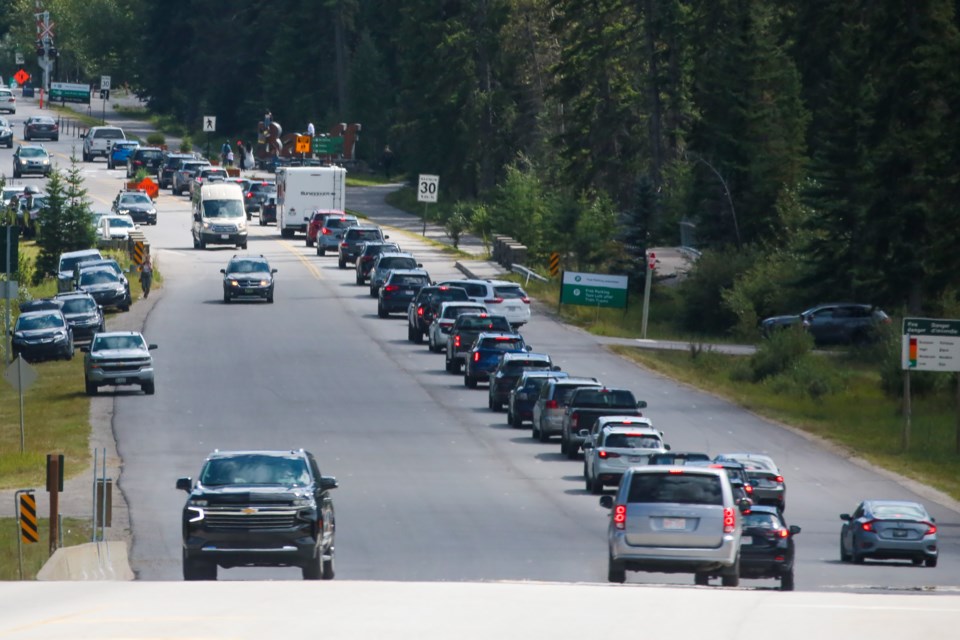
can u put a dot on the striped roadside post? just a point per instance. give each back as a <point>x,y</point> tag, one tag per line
<point>26,512</point>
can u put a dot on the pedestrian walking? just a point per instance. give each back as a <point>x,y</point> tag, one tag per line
<point>230,158</point>
<point>310,130</point>
<point>386,161</point>
<point>243,155</point>
<point>146,275</point>
<point>224,150</point>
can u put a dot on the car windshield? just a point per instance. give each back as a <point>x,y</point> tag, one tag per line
<point>516,366</point>
<point>135,198</point>
<point>33,323</point>
<point>79,305</point>
<point>509,292</point>
<point>248,266</point>
<point>453,312</point>
<point>113,265</point>
<point>475,322</point>
<point>260,187</point>
<point>255,469</point>
<point>68,263</point>
<point>361,235</point>
<point>502,344</point>
<point>223,209</point>
<point>563,392</point>
<point>599,398</point>
<point>120,222</point>
<point>409,280</point>
<point>339,223</point>
<point>759,520</point>
<point>374,249</point>
<point>125,145</point>
<point>150,154</point>
<point>213,173</point>
<point>632,441</point>
<point>106,343</point>
<point>398,263</point>
<point>113,134</point>
<point>98,277</point>
<point>27,152</point>
<point>898,511</point>
<point>677,488</point>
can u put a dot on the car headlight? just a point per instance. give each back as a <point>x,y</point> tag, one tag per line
<point>304,502</point>
<point>241,226</point>
<point>264,283</point>
<point>206,225</point>
<point>18,334</point>
<point>234,283</point>
<point>199,514</point>
<point>60,337</point>
<point>123,212</point>
<point>151,212</point>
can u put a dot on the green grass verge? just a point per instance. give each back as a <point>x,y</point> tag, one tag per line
<point>370,180</point>
<point>75,531</point>
<point>861,418</point>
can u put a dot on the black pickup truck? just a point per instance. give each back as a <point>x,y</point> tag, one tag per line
<point>587,404</point>
<point>464,333</point>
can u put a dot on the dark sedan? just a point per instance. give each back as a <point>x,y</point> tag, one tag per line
<point>42,335</point>
<point>766,546</point>
<point>83,314</point>
<point>399,289</point>
<point>6,133</point>
<point>106,287</point>
<point>137,205</point>
<point>44,127</point>
<point>889,530</point>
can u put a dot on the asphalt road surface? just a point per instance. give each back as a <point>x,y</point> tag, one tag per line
<point>433,485</point>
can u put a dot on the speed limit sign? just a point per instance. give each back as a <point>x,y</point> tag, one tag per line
<point>427,187</point>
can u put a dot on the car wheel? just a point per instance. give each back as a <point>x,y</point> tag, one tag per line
<point>242,246</point>
<point>86,157</point>
<point>109,164</point>
<point>148,388</point>
<point>373,292</point>
<point>270,298</point>
<point>417,336</point>
<point>931,562</point>
<point>342,264</point>
<point>381,312</point>
<point>91,388</point>
<point>409,333</point>
<point>731,576</point>
<point>125,307</point>
<point>856,557</point>
<point>844,556</point>
<point>358,279</point>
<point>16,173</point>
<point>198,569</point>
<point>203,243</point>
<point>496,406</point>
<point>596,486</point>
<point>469,382</point>
<point>175,191</point>
<point>56,138</point>
<point>515,421</point>
<point>701,579</point>
<point>542,435</point>
<point>786,581</point>
<point>313,570</point>
<point>196,245</point>
<point>329,568</point>
<point>310,244</point>
<point>226,298</point>
<point>616,572</point>
<point>263,222</point>
<point>321,251</point>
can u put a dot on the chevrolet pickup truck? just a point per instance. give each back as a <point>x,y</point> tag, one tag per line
<point>587,404</point>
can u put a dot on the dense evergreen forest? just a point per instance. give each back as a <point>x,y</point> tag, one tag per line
<point>811,147</point>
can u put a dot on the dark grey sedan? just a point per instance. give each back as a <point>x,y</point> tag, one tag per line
<point>889,530</point>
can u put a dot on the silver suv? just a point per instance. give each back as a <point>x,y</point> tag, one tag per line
<point>118,358</point>
<point>548,412</point>
<point>675,520</point>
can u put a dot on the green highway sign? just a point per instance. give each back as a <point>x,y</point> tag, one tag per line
<point>69,92</point>
<point>594,290</point>
<point>327,146</point>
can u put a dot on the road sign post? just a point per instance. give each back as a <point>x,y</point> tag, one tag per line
<point>11,238</point>
<point>427,188</point>
<point>21,377</point>
<point>928,344</point>
<point>648,284</point>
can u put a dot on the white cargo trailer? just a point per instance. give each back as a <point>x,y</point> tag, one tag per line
<point>303,190</point>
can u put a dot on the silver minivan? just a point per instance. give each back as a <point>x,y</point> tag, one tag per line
<point>669,519</point>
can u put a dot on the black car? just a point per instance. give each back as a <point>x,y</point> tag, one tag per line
<point>766,546</point>
<point>399,289</point>
<point>258,509</point>
<point>258,194</point>
<point>835,323</point>
<point>100,263</point>
<point>41,127</point>
<point>136,204</point>
<point>366,255</point>
<point>505,376</point>
<point>739,482</point>
<point>248,277</point>
<point>6,133</point>
<point>83,314</point>
<point>31,159</point>
<point>168,167</point>
<point>41,304</point>
<point>106,287</point>
<point>352,243</point>
<point>425,305</point>
<point>149,158</point>
<point>42,335</point>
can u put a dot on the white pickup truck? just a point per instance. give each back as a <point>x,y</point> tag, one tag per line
<point>97,141</point>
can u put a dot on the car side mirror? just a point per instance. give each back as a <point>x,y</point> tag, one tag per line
<point>386,237</point>
<point>606,502</point>
<point>667,447</point>
<point>529,348</point>
<point>583,433</point>
<point>273,270</point>
<point>794,529</point>
<point>328,482</point>
<point>744,505</point>
<point>223,271</point>
<point>185,484</point>
<point>555,367</point>
<point>845,517</point>
<point>85,349</point>
<point>151,347</point>
<point>642,404</point>
<point>419,265</point>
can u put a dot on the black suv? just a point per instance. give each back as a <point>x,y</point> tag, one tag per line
<point>169,166</point>
<point>425,305</point>
<point>368,254</point>
<point>258,509</point>
<point>82,313</point>
<point>149,158</point>
<point>248,277</point>
<point>766,546</point>
<point>136,204</point>
<point>838,323</point>
<point>352,243</point>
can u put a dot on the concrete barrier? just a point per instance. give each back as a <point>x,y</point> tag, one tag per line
<point>90,561</point>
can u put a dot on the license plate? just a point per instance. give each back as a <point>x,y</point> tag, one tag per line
<point>121,381</point>
<point>408,292</point>
<point>898,533</point>
<point>248,291</point>
<point>746,541</point>
<point>674,523</point>
<point>224,236</point>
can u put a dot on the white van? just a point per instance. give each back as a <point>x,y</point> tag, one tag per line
<point>218,215</point>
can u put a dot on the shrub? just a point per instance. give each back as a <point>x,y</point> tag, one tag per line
<point>808,376</point>
<point>455,224</point>
<point>779,352</point>
<point>763,290</point>
<point>156,139</point>
<point>186,145</point>
<point>702,292</point>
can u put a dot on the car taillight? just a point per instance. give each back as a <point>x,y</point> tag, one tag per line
<point>456,342</point>
<point>779,479</point>
<point>343,244</point>
<point>366,259</point>
<point>729,520</point>
<point>607,454</point>
<point>326,231</point>
<point>493,301</point>
<point>574,419</point>
<point>525,300</point>
<point>137,162</point>
<point>748,488</point>
<point>784,533</point>
<point>676,472</point>
<point>250,194</point>
<point>420,311</point>
<point>552,404</point>
<point>476,356</point>
<point>620,516</point>
<point>867,526</point>
<point>931,528</point>
<point>390,288</point>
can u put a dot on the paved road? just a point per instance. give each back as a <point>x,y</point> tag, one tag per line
<point>434,486</point>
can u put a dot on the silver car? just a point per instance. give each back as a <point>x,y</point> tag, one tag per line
<point>769,487</point>
<point>614,449</point>
<point>889,530</point>
<point>447,315</point>
<point>674,520</point>
<point>548,412</point>
<point>118,358</point>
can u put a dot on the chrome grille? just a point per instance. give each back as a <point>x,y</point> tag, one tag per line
<point>132,365</point>
<point>262,518</point>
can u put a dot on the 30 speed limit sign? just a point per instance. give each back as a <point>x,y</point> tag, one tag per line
<point>427,187</point>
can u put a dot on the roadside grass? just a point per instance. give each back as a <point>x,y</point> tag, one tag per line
<point>405,199</point>
<point>370,179</point>
<point>165,124</point>
<point>75,531</point>
<point>861,419</point>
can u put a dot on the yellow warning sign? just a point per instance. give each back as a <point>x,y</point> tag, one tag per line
<point>138,253</point>
<point>303,144</point>
<point>28,518</point>
<point>554,263</point>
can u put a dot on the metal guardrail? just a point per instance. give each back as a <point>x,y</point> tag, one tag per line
<point>690,253</point>
<point>529,273</point>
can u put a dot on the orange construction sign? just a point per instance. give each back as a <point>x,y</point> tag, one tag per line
<point>150,187</point>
